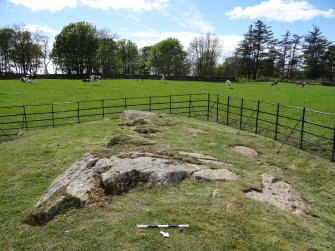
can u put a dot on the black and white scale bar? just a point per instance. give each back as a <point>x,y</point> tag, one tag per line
<point>163,226</point>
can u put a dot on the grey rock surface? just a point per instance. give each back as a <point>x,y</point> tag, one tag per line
<point>279,194</point>
<point>117,174</point>
<point>131,114</point>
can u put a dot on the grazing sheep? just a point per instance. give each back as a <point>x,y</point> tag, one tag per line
<point>228,83</point>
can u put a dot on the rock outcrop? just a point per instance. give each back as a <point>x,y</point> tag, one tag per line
<point>279,194</point>
<point>117,175</point>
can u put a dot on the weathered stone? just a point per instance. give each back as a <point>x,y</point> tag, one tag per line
<point>70,189</point>
<point>131,114</point>
<point>279,194</point>
<point>248,151</point>
<point>216,174</point>
<point>117,174</point>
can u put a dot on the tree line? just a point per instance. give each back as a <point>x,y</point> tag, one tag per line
<point>80,48</point>
<point>261,55</point>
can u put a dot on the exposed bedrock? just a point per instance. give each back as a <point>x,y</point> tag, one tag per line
<point>116,175</point>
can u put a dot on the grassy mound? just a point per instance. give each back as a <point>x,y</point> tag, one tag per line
<point>229,220</point>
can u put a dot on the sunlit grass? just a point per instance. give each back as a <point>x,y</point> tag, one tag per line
<point>31,162</point>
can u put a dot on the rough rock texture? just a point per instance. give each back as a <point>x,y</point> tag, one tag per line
<point>245,151</point>
<point>70,189</point>
<point>279,194</point>
<point>205,158</point>
<point>136,122</point>
<point>131,114</point>
<point>117,174</point>
<point>216,174</point>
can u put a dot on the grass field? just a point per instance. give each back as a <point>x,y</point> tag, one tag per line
<point>230,221</point>
<point>43,91</point>
<point>64,94</point>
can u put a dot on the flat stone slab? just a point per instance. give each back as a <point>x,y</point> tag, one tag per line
<point>117,174</point>
<point>244,150</point>
<point>216,174</point>
<point>205,158</point>
<point>279,194</point>
<point>131,114</point>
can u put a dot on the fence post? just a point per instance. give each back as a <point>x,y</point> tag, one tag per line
<point>208,100</point>
<point>125,103</point>
<point>241,114</point>
<point>228,100</point>
<point>189,105</point>
<point>277,120</point>
<point>170,104</point>
<point>217,108</point>
<point>333,152</point>
<point>257,114</point>
<point>78,116</point>
<point>103,108</point>
<point>52,116</point>
<point>302,127</point>
<point>24,118</point>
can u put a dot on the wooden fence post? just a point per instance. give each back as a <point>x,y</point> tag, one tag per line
<point>277,120</point>
<point>302,127</point>
<point>257,115</point>
<point>125,103</point>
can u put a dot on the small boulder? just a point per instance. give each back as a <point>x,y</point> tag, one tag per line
<point>131,114</point>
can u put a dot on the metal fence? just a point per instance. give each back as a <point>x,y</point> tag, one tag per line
<point>307,129</point>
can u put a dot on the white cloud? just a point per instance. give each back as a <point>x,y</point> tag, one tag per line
<point>193,19</point>
<point>42,28</point>
<point>52,6</point>
<point>280,10</point>
<point>147,38</point>
<point>57,5</point>
<point>132,5</point>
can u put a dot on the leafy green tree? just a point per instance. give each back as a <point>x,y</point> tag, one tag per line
<point>295,57</point>
<point>169,58</point>
<point>314,49</point>
<point>262,38</point>
<point>257,49</point>
<point>26,53</point>
<point>6,47</point>
<point>329,62</point>
<point>143,66</point>
<point>128,56</point>
<point>245,53</point>
<point>75,48</point>
<point>204,52</point>
<point>107,54</point>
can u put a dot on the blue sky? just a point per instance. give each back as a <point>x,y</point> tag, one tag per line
<point>149,21</point>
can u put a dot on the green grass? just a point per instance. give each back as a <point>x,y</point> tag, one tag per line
<point>47,91</point>
<point>31,162</point>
